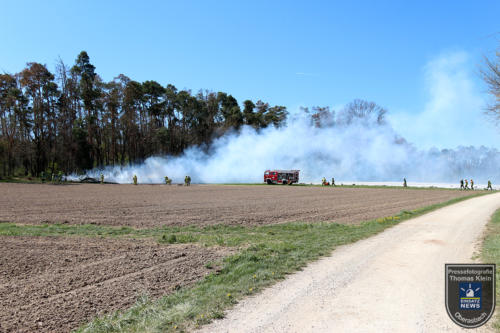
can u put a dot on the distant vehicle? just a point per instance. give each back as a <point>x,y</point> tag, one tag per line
<point>281,177</point>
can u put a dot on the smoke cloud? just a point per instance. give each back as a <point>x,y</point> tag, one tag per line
<point>359,151</point>
<point>453,113</point>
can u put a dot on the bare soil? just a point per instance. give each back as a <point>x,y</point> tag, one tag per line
<point>145,206</point>
<point>55,284</point>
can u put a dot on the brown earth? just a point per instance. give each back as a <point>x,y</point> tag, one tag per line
<point>55,284</point>
<point>156,205</point>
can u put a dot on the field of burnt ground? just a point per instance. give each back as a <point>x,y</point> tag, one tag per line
<point>170,258</point>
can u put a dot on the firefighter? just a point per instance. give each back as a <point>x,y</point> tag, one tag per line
<point>102,178</point>
<point>59,176</point>
<point>187,180</point>
<point>461,184</point>
<point>323,181</point>
<point>471,184</point>
<point>404,182</point>
<point>489,186</point>
<point>135,179</point>
<point>42,175</point>
<point>466,186</point>
<point>333,181</point>
<point>166,180</point>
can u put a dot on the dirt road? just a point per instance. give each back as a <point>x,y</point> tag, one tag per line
<point>393,282</point>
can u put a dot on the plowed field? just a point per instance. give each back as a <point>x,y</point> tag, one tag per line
<point>146,206</point>
<point>55,284</point>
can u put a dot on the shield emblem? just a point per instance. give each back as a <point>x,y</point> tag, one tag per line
<point>470,293</point>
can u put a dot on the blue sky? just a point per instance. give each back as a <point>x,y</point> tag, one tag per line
<point>420,60</point>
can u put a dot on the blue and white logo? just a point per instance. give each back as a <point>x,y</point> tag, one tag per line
<point>470,296</point>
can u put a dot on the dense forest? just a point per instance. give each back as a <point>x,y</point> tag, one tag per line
<point>72,120</point>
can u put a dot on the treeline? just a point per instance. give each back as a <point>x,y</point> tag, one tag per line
<point>72,120</point>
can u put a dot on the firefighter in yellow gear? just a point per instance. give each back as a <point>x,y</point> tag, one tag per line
<point>404,182</point>
<point>466,186</point>
<point>471,184</point>
<point>323,181</point>
<point>102,178</point>
<point>187,180</point>
<point>135,179</point>
<point>489,186</point>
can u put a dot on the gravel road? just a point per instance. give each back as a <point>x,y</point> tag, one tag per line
<point>392,282</point>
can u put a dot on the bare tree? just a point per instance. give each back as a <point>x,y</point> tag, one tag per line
<point>361,109</point>
<point>491,75</point>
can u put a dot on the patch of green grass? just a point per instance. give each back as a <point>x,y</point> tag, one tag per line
<point>12,229</point>
<point>355,186</point>
<point>266,254</point>
<point>92,230</point>
<point>28,180</point>
<point>178,238</point>
<point>490,253</point>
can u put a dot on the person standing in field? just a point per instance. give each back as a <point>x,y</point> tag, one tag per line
<point>466,186</point>
<point>489,186</point>
<point>404,183</point>
<point>187,180</point>
<point>135,179</point>
<point>333,181</point>
<point>471,184</point>
<point>102,178</point>
<point>461,184</point>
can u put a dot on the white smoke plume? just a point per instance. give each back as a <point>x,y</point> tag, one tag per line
<point>360,151</point>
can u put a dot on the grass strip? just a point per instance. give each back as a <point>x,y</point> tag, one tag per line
<point>400,187</point>
<point>490,253</point>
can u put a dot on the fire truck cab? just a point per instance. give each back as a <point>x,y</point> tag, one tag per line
<point>281,177</point>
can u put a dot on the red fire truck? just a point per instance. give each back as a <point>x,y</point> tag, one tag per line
<point>281,176</point>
